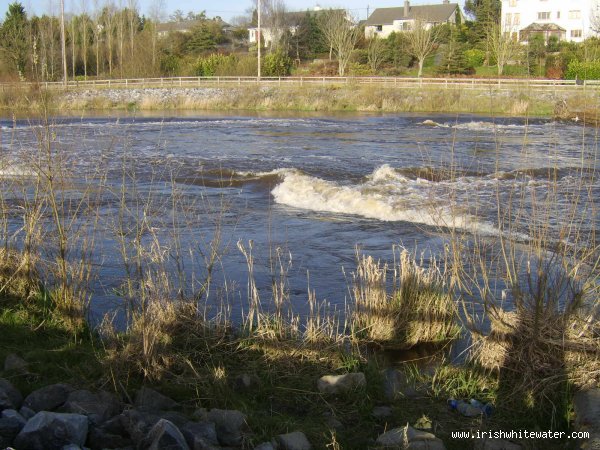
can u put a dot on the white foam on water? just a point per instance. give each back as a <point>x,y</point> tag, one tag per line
<point>384,195</point>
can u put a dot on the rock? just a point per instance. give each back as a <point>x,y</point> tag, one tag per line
<point>200,435</point>
<point>48,398</point>
<point>97,407</point>
<point>201,415</point>
<point>495,444</point>
<point>230,425</point>
<point>395,385</point>
<point>99,439</point>
<point>52,431</point>
<point>26,412</point>
<point>293,441</point>
<point>334,384</point>
<point>136,423</point>
<point>71,447</point>
<point>381,412</point>
<point>9,429</point>
<point>151,400</point>
<point>430,123</point>
<point>13,414</point>
<point>415,439</point>
<point>10,397</point>
<point>423,423</point>
<point>264,446</point>
<point>164,435</point>
<point>15,364</point>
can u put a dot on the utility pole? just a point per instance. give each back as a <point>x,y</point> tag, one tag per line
<point>259,39</point>
<point>63,41</point>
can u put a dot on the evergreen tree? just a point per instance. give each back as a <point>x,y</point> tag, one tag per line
<point>201,40</point>
<point>454,61</point>
<point>14,37</point>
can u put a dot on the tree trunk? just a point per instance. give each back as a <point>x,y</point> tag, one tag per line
<point>421,61</point>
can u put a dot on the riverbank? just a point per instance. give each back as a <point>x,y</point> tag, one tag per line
<point>517,101</point>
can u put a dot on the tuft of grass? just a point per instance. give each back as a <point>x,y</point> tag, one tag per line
<point>419,309</point>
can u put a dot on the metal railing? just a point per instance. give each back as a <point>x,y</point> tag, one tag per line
<point>399,82</point>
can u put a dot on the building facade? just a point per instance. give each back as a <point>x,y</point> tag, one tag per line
<point>385,21</point>
<point>568,21</point>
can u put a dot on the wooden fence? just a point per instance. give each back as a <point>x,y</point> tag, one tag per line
<point>398,82</point>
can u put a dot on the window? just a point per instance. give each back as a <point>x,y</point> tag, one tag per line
<point>406,26</point>
<point>544,15</point>
<point>517,19</point>
<point>378,27</point>
<point>508,19</point>
<point>558,14</point>
<point>575,14</point>
<point>575,33</point>
<point>512,3</point>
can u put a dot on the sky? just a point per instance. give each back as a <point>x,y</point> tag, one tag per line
<point>227,9</point>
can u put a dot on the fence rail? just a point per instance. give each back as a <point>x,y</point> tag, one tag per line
<point>399,82</point>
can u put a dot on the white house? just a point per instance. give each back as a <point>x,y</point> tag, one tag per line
<point>385,21</point>
<point>570,21</point>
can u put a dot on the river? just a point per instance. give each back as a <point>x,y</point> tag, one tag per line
<point>316,187</point>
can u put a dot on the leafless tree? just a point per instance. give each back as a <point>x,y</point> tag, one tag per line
<point>108,16</point>
<point>275,20</point>
<point>422,41</point>
<point>84,37</point>
<point>375,52</point>
<point>132,8</point>
<point>503,45</point>
<point>341,35</point>
<point>156,13</point>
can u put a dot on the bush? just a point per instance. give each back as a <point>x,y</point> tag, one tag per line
<point>170,64</point>
<point>474,57</point>
<point>587,70</point>
<point>277,64</point>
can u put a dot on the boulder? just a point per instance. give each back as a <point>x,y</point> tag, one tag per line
<point>264,446</point>
<point>26,412</point>
<point>48,398</point>
<point>230,426</point>
<point>164,435</point>
<point>52,431</point>
<point>13,414</point>
<point>151,400</point>
<point>99,439</point>
<point>381,412</point>
<point>408,437</point>
<point>136,423</point>
<point>15,364</point>
<point>335,384</point>
<point>98,407</point>
<point>10,397</point>
<point>9,429</point>
<point>293,441</point>
<point>200,435</point>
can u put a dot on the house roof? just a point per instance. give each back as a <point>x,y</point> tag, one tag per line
<point>186,25</point>
<point>542,27</point>
<point>429,13</point>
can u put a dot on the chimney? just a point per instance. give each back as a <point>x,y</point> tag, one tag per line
<point>406,8</point>
<point>445,2</point>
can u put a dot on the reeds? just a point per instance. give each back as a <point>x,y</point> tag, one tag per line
<point>417,308</point>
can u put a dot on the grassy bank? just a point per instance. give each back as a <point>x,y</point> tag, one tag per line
<point>360,98</point>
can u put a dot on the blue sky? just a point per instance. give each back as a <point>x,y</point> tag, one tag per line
<point>224,8</point>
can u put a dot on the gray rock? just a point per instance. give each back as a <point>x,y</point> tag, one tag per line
<point>13,414</point>
<point>395,385</point>
<point>98,407</point>
<point>164,435</point>
<point>9,429</point>
<point>334,384</point>
<point>495,444</point>
<point>200,435</point>
<point>407,435</point>
<point>52,431</point>
<point>48,398</point>
<point>293,441</point>
<point>15,364</point>
<point>264,446</point>
<point>26,412</point>
<point>99,438</point>
<point>230,425</point>
<point>151,400</point>
<point>136,423</point>
<point>10,397</point>
<point>381,412</point>
<point>71,447</point>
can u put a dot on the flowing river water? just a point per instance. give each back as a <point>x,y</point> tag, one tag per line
<point>315,187</point>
